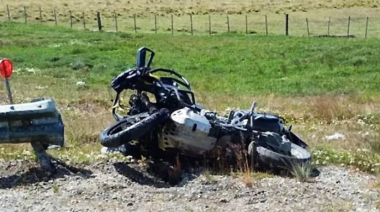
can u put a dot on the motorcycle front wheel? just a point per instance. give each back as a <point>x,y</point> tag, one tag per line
<point>127,130</point>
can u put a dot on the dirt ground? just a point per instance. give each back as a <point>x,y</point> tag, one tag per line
<point>120,186</point>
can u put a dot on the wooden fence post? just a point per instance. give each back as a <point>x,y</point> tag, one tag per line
<point>172,24</point>
<point>99,21</point>
<point>266,25</point>
<point>40,15</point>
<point>9,13</point>
<point>116,27</point>
<point>25,15</point>
<point>328,26</point>
<point>366,28</point>
<point>84,20</point>
<point>307,26</point>
<point>228,24</point>
<point>246,24</point>
<point>134,20</point>
<point>155,23</point>
<point>191,24</point>
<point>348,26</point>
<point>71,19</point>
<point>55,17</point>
<point>209,24</point>
<point>287,24</point>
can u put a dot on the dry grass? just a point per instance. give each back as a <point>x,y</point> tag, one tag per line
<point>317,12</point>
<point>315,117</point>
<point>302,172</point>
<point>339,205</point>
<point>196,6</point>
<point>86,112</point>
<point>329,109</point>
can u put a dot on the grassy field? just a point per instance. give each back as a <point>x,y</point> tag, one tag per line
<point>317,12</point>
<point>321,85</point>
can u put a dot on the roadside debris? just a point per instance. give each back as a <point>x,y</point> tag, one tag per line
<point>335,136</point>
<point>80,83</point>
<point>37,122</point>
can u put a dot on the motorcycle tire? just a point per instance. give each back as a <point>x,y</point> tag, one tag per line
<point>270,159</point>
<point>115,135</point>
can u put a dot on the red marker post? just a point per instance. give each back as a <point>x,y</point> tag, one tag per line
<point>6,70</point>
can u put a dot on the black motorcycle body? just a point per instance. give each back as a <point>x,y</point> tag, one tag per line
<point>175,124</point>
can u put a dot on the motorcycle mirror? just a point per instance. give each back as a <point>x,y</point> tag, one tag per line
<point>141,57</point>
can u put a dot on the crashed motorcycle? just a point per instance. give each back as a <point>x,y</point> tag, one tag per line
<point>164,120</point>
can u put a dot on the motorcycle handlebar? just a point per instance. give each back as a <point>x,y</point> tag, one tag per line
<point>170,71</point>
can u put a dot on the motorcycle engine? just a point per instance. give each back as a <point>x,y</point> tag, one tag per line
<point>188,132</point>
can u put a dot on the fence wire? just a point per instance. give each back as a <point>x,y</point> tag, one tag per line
<point>271,24</point>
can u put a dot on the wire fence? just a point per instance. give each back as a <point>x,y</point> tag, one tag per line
<point>271,24</point>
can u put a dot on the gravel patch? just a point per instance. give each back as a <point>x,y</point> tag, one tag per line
<point>113,186</point>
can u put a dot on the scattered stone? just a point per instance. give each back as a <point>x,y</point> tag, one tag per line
<point>223,200</point>
<point>104,187</point>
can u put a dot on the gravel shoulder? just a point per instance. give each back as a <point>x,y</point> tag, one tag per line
<point>115,186</point>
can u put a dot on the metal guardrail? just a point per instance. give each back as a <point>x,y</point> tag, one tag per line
<point>38,122</point>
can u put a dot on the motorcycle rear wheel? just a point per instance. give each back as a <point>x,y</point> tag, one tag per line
<point>263,156</point>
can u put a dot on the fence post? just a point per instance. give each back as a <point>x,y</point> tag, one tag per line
<point>40,14</point>
<point>307,26</point>
<point>134,20</point>
<point>25,15</point>
<point>246,24</point>
<point>228,24</point>
<point>287,24</point>
<point>155,23</point>
<point>116,27</point>
<point>99,21</point>
<point>209,24</point>
<point>84,20</point>
<point>348,27</point>
<point>328,27</point>
<point>266,25</point>
<point>71,19</point>
<point>191,24</point>
<point>172,24</point>
<point>55,17</point>
<point>9,13</point>
<point>366,28</point>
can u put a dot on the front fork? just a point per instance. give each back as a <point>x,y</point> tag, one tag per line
<point>136,101</point>
<point>140,103</point>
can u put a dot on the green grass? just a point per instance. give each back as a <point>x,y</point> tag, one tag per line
<point>318,13</point>
<point>322,85</point>
<point>235,64</point>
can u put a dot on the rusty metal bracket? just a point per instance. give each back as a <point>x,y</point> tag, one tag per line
<point>42,157</point>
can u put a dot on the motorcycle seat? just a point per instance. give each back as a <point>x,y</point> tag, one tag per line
<point>266,118</point>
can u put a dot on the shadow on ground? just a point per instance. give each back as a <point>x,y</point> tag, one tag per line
<point>36,174</point>
<point>156,175</point>
<point>151,176</point>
